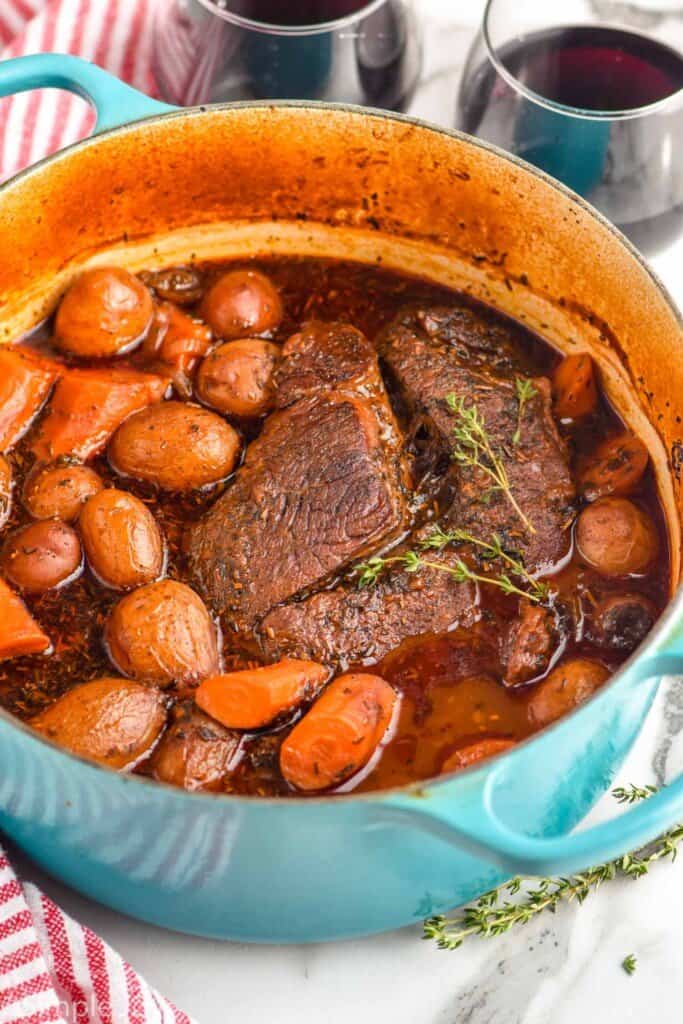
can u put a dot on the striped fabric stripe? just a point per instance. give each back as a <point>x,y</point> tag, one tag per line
<point>116,34</point>
<point>53,969</point>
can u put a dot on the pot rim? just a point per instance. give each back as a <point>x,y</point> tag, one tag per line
<point>422,787</point>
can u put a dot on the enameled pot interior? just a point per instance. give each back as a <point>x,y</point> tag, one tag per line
<point>330,182</point>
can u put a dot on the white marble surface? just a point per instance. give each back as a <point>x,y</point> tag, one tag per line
<point>557,970</point>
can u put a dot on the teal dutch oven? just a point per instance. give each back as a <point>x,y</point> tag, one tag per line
<point>155,186</point>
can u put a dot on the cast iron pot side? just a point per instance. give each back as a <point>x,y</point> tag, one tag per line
<point>314,180</point>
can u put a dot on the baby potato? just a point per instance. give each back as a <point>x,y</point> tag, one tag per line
<point>237,378</point>
<point>41,556</point>
<point>115,722</point>
<point>195,753</point>
<point>180,285</point>
<point>5,489</point>
<point>616,537</point>
<point>178,447</point>
<point>574,387</point>
<point>565,688</point>
<point>121,538</point>
<point>622,621</point>
<point>59,491</point>
<point>162,633</point>
<point>240,303</point>
<point>105,312</point>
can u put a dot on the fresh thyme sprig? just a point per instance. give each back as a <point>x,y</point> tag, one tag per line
<point>439,538</point>
<point>493,914</point>
<point>473,448</point>
<point>629,964</point>
<point>632,794</point>
<point>525,391</point>
<point>369,572</point>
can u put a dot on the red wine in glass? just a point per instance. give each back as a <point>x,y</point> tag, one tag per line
<point>352,51</point>
<point>619,142</point>
<point>293,12</point>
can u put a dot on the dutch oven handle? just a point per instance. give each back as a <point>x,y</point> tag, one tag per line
<point>115,102</point>
<point>481,831</point>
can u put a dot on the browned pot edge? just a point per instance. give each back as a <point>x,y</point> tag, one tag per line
<point>338,182</point>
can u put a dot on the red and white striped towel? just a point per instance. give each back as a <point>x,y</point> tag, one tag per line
<point>116,34</point>
<point>51,968</point>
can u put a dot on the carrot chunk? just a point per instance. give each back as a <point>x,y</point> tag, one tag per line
<point>88,406</point>
<point>253,698</point>
<point>19,631</point>
<point>615,468</point>
<point>340,733</point>
<point>576,392</point>
<point>25,382</point>
<point>176,339</point>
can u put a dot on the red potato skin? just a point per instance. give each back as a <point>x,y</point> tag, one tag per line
<point>464,757</point>
<point>114,722</point>
<point>25,383</point>
<point>237,377</point>
<point>575,388</point>
<point>616,537</point>
<point>195,753</point>
<point>86,408</point>
<point>59,491</point>
<point>105,312</point>
<point>564,689</point>
<point>19,632</point>
<point>175,446</point>
<point>121,539</point>
<point>254,698</point>
<point>242,303</point>
<point>340,733</point>
<point>162,633</point>
<point>41,556</point>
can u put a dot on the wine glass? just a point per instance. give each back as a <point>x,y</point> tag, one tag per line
<point>353,51</point>
<point>592,93</point>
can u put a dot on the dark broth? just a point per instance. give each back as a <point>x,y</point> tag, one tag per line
<point>450,683</point>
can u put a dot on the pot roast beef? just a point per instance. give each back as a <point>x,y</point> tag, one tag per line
<point>322,486</point>
<point>427,364</point>
<point>427,369</point>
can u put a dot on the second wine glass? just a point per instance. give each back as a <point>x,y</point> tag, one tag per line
<point>593,97</point>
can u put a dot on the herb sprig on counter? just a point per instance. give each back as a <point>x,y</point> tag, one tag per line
<point>367,573</point>
<point>494,914</point>
<point>473,448</point>
<point>629,964</point>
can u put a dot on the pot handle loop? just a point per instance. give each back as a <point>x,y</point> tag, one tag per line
<point>115,102</point>
<point>479,830</point>
<point>531,856</point>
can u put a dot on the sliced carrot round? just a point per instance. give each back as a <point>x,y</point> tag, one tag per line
<point>340,733</point>
<point>253,698</point>
<point>615,468</point>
